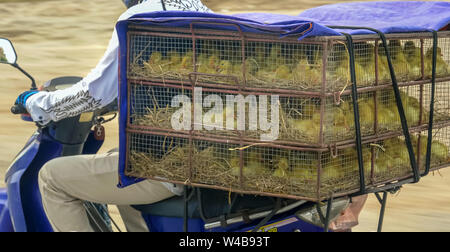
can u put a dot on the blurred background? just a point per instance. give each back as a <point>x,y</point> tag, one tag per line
<point>65,37</point>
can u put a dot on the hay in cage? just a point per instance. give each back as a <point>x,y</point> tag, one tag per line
<point>282,171</point>
<point>295,67</point>
<point>300,120</point>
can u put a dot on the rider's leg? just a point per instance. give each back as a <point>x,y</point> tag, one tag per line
<point>66,182</point>
<point>132,219</point>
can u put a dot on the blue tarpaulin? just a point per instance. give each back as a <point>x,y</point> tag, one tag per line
<point>257,23</point>
<point>388,17</point>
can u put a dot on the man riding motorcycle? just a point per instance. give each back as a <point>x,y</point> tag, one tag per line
<point>66,182</point>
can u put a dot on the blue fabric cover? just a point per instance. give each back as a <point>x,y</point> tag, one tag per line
<point>388,17</point>
<point>259,22</point>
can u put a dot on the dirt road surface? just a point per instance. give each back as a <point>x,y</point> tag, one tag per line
<point>56,38</point>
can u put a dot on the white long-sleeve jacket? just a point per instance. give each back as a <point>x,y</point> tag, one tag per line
<point>100,86</point>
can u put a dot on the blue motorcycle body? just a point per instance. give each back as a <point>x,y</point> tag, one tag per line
<point>209,210</point>
<point>21,209</point>
<point>289,223</point>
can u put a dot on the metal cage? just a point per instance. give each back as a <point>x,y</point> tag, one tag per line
<point>315,155</point>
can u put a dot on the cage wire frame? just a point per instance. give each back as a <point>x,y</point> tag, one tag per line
<point>240,86</point>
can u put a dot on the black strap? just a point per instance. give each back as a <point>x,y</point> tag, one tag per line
<point>433,91</point>
<point>351,51</point>
<point>398,99</point>
<point>268,217</point>
<point>200,204</point>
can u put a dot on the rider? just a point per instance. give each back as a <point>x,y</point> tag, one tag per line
<point>66,182</point>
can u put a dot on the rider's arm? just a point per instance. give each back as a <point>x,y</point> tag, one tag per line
<point>100,86</point>
<point>97,89</point>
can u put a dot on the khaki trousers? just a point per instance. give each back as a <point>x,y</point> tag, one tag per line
<point>66,182</point>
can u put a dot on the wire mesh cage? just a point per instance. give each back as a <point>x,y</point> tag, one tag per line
<point>301,120</point>
<point>263,115</point>
<point>236,59</point>
<point>305,173</point>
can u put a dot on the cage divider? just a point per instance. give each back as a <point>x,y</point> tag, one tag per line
<point>375,93</point>
<point>191,131</point>
<point>323,93</point>
<point>241,133</point>
<point>319,175</point>
<point>194,49</point>
<point>191,135</point>
<point>421,101</point>
<point>375,121</point>
<point>194,83</point>
<point>322,120</point>
<point>422,58</point>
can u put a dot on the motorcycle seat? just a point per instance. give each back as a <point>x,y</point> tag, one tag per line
<point>210,204</point>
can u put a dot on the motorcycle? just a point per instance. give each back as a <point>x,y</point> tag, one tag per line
<point>198,210</point>
<point>21,209</point>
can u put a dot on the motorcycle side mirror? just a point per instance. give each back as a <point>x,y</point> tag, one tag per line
<point>7,53</point>
<point>8,56</point>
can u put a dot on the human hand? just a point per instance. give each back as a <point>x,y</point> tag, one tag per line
<point>21,102</point>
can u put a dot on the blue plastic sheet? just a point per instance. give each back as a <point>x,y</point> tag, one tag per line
<point>282,25</point>
<point>388,17</point>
